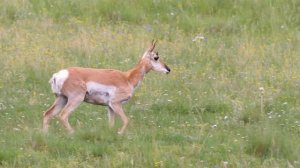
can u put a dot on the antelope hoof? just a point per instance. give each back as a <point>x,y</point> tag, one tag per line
<point>71,132</point>
<point>120,132</point>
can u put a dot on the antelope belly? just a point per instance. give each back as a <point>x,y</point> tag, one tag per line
<point>97,98</point>
<point>99,94</point>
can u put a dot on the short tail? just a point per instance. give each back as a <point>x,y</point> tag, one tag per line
<point>57,81</point>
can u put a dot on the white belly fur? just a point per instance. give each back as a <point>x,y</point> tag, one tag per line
<point>100,94</point>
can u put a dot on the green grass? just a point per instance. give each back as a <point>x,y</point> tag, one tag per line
<point>205,113</point>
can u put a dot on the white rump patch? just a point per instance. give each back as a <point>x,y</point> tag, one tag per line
<point>57,80</point>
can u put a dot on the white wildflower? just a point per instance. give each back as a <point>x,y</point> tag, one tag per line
<point>198,37</point>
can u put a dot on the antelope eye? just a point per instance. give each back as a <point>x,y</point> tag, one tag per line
<point>156,58</point>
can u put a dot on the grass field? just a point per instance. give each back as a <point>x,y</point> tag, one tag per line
<point>231,100</point>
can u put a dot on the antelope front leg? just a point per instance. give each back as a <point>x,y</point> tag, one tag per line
<point>111,117</point>
<point>117,108</point>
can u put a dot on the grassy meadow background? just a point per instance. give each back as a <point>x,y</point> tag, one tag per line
<point>231,100</point>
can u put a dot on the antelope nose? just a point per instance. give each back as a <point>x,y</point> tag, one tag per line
<point>168,69</point>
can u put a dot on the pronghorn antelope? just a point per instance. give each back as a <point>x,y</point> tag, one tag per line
<point>107,87</point>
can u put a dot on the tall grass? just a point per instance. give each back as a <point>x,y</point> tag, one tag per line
<point>206,113</point>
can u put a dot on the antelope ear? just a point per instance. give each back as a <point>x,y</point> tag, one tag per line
<point>152,45</point>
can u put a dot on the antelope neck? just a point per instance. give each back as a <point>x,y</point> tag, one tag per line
<point>136,74</point>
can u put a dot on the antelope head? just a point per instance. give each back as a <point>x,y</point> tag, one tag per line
<point>153,61</point>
